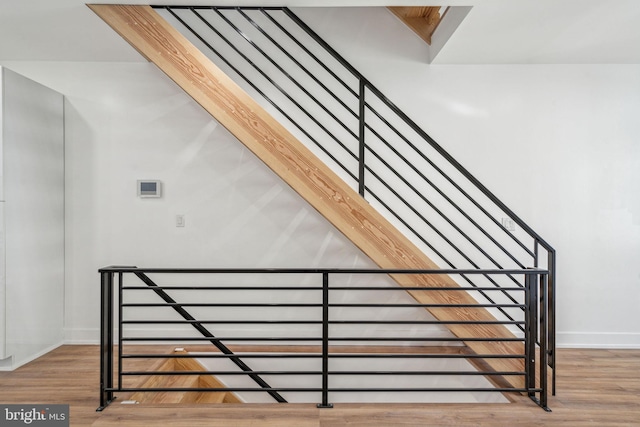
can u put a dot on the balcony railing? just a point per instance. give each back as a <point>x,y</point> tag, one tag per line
<point>324,310</point>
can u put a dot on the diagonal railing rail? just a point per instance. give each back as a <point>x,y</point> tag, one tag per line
<point>372,144</point>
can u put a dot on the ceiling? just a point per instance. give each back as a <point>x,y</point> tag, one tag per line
<point>494,32</point>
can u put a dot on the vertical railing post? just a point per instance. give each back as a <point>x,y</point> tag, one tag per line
<point>361,146</point>
<point>544,325</point>
<point>551,286</point>
<point>106,339</point>
<point>531,296</point>
<point>120,334</point>
<point>325,342</point>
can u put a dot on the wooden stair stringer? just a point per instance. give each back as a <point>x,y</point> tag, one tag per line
<point>314,181</point>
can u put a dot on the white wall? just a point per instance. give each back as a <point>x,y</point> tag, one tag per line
<point>32,159</point>
<point>3,283</point>
<point>556,143</point>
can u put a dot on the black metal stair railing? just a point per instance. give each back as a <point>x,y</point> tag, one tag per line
<point>371,143</point>
<point>342,353</point>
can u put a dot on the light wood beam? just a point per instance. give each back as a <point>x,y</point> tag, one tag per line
<point>315,182</point>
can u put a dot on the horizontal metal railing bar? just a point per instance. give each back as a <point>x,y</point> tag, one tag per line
<point>426,390</point>
<point>238,322</point>
<point>367,322</point>
<point>318,288</point>
<point>447,271</point>
<point>193,373</point>
<point>236,373</point>
<point>319,356</point>
<point>427,322</point>
<point>423,288</point>
<point>336,339</point>
<point>317,389</point>
<point>430,339</point>
<point>218,355</point>
<point>390,339</point>
<point>206,304</point>
<point>221,339</point>
<point>432,305</point>
<point>228,288</point>
<point>265,304</point>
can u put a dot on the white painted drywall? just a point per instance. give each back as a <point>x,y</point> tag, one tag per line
<point>33,180</point>
<point>557,143</point>
<point>3,289</point>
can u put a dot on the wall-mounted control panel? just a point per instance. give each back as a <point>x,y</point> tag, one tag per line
<point>148,188</point>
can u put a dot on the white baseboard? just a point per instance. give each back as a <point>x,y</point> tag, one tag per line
<point>78,336</point>
<point>10,364</point>
<point>619,340</point>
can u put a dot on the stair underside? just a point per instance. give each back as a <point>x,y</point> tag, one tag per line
<point>163,45</point>
<point>182,381</point>
<point>422,20</point>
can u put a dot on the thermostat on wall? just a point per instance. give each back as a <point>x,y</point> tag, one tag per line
<point>149,188</point>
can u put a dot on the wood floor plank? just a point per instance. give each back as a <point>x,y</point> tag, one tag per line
<point>214,415</point>
<point>595,388</point>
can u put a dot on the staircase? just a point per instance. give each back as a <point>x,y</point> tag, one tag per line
<point>405,215</point>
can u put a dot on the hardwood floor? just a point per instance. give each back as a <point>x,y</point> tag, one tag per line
<point>595,388</point>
